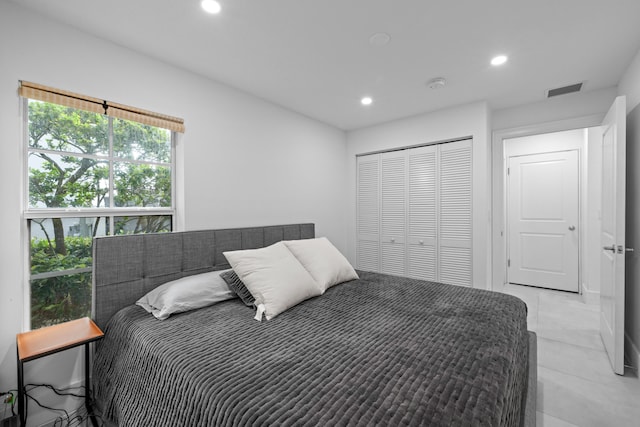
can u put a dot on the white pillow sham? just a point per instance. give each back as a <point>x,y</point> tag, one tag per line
<point>274,277</point>
<point>323,261</point>
<point>188,293</point>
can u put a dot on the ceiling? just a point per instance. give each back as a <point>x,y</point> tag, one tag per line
<point>314,56</point>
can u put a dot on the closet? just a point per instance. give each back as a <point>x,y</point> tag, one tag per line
<point>414,212</point>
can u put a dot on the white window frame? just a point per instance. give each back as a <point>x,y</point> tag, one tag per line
<point>111,212</point>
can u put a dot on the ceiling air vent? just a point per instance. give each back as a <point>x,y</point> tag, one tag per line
<point>564,90</point>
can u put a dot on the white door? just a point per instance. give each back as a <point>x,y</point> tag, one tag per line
<point>543,220</point>
<point>368,213</point>
<point>612,254</point>
<point>422,214</point>
<point>414,212</point>
<point>393,212</point>
<point>455,194</point>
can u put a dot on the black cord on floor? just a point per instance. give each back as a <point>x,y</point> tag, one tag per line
<point>44,406</point>
<point>58,391</point>
<point>80,415</point>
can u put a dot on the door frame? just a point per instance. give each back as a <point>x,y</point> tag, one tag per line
<point>498,167</point>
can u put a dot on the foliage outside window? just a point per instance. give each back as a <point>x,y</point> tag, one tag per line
<point>88,175</point>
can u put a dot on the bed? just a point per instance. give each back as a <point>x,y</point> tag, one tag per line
<point>380,350</point>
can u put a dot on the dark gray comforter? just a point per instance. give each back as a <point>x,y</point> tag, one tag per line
<point>381,350</point>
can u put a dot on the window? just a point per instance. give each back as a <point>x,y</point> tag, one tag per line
<point>88,174</point>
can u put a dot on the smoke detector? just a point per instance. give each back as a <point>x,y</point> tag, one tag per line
<point>379,39</point>
<point>437,83</point>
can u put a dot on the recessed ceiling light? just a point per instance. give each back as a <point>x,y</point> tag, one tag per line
<point>367,100</point>
<point>499,60</point>
<point>211,6</point>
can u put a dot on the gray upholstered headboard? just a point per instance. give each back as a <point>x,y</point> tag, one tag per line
<point>127,267</point>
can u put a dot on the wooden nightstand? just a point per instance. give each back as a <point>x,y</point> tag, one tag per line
<point>53,339</point>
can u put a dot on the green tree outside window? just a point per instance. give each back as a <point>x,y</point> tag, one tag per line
<point>85,160</point>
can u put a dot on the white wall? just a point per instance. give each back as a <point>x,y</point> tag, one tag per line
<point>464,121</point>
<point>245,161</point>
<point>630,83</point>
<point>581,104</point>
<point>630,86</point>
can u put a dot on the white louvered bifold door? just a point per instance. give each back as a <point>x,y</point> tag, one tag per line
<point>422,214</point>
<point>368,213</point>
<point>455,213</point>
<point>393,178</point>
<point>414,213</point>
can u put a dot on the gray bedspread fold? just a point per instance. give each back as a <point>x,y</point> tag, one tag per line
<point>381,350</point>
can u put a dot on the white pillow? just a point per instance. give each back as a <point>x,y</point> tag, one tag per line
<point>188,293</point>
<point>323,261</point>
<point>274,277</point>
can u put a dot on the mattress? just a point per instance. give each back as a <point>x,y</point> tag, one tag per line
<point>381,350</point>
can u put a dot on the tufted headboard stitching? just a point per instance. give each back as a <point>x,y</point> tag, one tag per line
<point>127,267</point>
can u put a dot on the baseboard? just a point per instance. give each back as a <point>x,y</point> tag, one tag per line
<point>631,352</point>
<point>590,297</point>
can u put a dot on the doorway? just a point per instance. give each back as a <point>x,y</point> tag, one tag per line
<point>551,182</point>
<point>602,212</point>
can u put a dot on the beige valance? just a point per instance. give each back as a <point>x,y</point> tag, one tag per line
<point>96,105</point>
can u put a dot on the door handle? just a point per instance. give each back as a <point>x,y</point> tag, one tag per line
<point>572,227</point>
<point>611,248</point>
<point>622,249</point>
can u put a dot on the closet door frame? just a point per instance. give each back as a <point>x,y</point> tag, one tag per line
<point>407,241</point>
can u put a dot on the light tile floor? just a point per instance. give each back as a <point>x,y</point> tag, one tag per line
<point>576,385</point>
